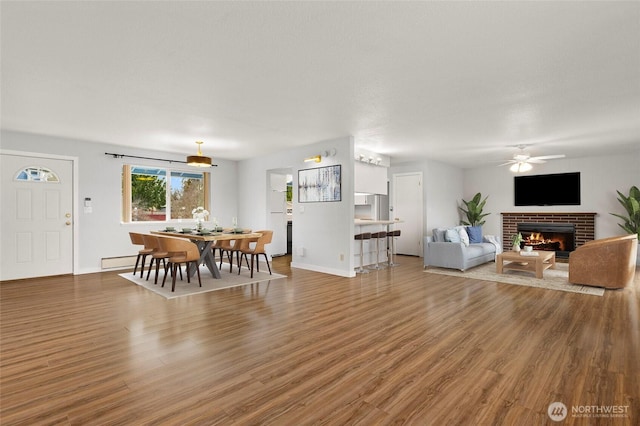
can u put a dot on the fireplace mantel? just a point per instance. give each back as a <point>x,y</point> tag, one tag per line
<point>584,221</point>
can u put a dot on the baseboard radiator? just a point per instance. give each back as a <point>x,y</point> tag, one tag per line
<point>118,262</point>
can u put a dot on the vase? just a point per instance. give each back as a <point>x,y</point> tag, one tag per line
<point>516,248</point>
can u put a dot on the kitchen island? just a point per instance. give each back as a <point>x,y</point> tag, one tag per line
<point>372,225</point>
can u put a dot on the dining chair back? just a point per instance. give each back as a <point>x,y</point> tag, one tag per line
<point>180,251</point>
<point>157,255</point>
<point>258,249</point>
<point>138,240</point>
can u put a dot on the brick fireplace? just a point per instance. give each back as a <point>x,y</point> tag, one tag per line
<point>584,224</point>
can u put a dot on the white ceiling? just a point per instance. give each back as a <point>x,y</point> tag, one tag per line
<point>458,82</point>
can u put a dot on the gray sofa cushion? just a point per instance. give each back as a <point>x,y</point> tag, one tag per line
<point>480,249</point>
<point>457,255</point>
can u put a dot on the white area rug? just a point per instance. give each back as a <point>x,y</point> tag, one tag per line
<point>209,283</point>
<point>554,279</point>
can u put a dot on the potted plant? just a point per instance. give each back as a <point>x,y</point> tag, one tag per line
<point>631,222</point>
<point>631,203</point>
<point>473,211</point>
<point>516,240</point>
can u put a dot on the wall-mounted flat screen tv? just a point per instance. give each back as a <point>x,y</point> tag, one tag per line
<point>560,189</point>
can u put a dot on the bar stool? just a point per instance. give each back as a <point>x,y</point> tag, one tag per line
<point>378,236</point>
<point>362,237</point>
<point>392,235</point>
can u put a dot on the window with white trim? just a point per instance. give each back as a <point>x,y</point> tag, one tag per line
<point>152,194</point>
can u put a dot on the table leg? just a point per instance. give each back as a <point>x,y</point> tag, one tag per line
<point>539,269</point>
<point>553,261</point>
<point>499,263</point>
<point>206,257</point>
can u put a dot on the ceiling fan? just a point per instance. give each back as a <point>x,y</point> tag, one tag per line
<point>522,160</point>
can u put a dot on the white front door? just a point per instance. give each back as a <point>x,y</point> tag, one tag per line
<point>408,208</point>
<point>36,217</point>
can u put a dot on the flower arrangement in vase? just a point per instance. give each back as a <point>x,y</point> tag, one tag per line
<point>200,214</point>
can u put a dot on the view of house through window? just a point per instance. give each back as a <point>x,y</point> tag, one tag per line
<point>159,194</point>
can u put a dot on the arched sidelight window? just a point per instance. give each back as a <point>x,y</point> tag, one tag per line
<point>37,174</point>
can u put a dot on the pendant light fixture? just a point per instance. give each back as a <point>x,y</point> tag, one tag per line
<point>199,160</point>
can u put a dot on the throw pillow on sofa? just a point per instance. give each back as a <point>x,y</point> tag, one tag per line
<point>475,234</point>
<point>464,237</point>
<point>439,235</point>
<point>452,236</point>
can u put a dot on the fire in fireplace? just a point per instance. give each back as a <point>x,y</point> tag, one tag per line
<point>558,237</point>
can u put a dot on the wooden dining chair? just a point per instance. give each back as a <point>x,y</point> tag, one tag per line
<point>138,240</point>
<point>225,247</point>
<point>256,250</point>
<point>157,255</point>
<point>180,251</point>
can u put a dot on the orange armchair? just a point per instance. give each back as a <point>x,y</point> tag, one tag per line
<point>607,262</point>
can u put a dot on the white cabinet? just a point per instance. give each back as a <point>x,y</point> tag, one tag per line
<point>360,199</point>
<point>370,179</point>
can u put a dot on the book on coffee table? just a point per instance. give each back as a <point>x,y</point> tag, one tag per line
<point>529,253</point>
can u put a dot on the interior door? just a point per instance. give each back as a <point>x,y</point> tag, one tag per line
<point>36,217</point>
<point>408,208</point>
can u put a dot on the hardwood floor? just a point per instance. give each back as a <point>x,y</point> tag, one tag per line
<point>398,346</point>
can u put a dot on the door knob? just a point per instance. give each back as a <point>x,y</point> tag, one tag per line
<point>68,222</point>
<point>67,215</point>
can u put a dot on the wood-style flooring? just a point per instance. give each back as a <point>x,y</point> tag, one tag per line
<point>398,346</point>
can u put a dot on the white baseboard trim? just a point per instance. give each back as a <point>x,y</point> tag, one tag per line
<point>331,271</point>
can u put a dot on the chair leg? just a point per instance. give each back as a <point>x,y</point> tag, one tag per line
<point>144,257</point>
<point>175,272</point>
<point>158,270</point>
<point>135,268</point>
<point>150,268</point>
<point>266,259</point>
<point>166,269</point>
<point>246,259</point>
<point>230,259</point>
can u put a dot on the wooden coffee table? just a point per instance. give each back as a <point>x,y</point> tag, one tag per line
<point>538,264</point>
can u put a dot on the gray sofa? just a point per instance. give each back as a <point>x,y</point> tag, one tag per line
<point>458,255</point>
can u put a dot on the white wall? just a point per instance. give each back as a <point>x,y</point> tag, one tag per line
<point>323,231</point>
<point>445,186</point>
<point>443,189</point>
<point>101,233</point>
<point>600,178</point>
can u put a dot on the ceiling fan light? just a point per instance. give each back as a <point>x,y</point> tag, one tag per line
<point>199,160</point>
<point>520,167</point>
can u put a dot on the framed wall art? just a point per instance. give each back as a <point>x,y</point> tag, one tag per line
<point>322,184</point>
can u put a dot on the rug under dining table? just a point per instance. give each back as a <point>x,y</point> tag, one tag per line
<point>227,280</point>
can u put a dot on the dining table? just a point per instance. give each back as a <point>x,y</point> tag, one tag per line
<point>204,241</point>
